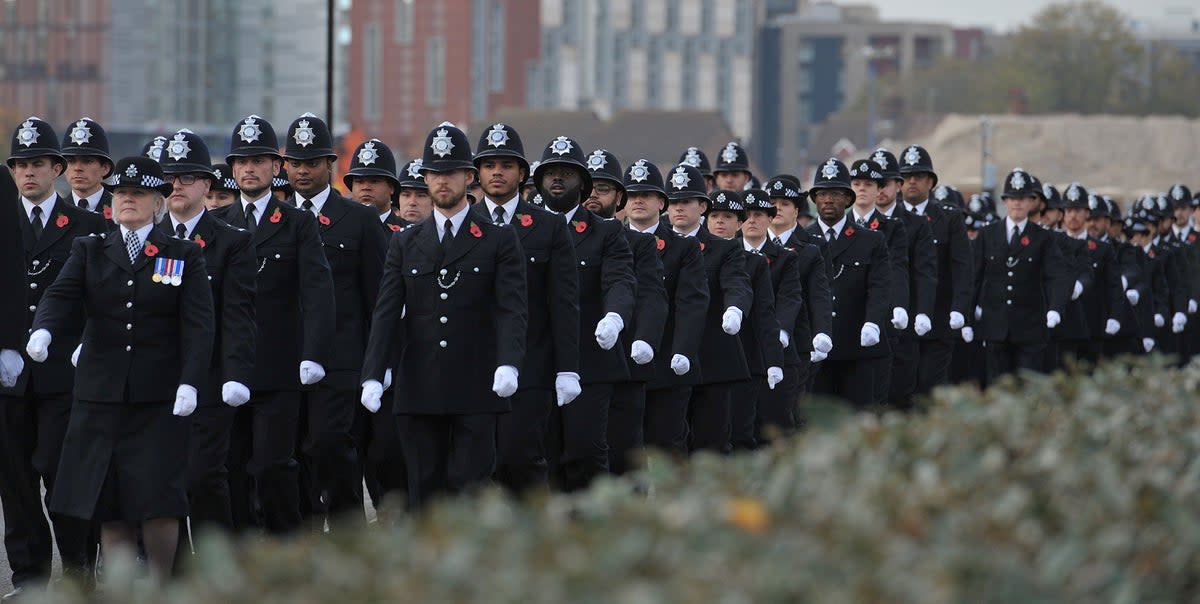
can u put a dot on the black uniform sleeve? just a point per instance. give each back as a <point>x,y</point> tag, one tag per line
<point>12,266</point>
<point>898,252</point>
<point>374,251</point>
<point>960,267</point>
<point>735,283</point>
<point>382,343</point>
<point>789,302</point>
<point>691,302</point>
<point>63,296</point>
<point>820,299</point>
<point>238,326</point>
<point>879,285</point>
<point>512,300</point>
<point>195,318</point>
<point>763,311</point>
<point>316,291</point>
<point>616,274</point>
<point>923,266</point>
<point>1057,279</point>
<point>563,292</point>
<point>650,310</point>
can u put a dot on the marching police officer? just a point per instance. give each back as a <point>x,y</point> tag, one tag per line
<point>85,147</point>
<point>861,290</point>
<point>550,369</point>
<point>413,203</point>
<point>147,344</point>
<point>224,190</point>
<point>372,182</point>
<point>231,264</point>
<point>684,277</point>
<point>1074,337</point>
<point>35,399</point>
<point>607,293</point>
<point>732,171</point>
<point>695,157</point>
<point>12,278</point>
<point>627,415</point>
<point>295,324</point>
<point>452,315</point>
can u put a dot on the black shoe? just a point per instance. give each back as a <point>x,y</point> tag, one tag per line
<point>14,595</point>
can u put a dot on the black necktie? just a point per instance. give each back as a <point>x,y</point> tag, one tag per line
<point>447,236</point>
<point>1013,240</point>
<point>777,241</point>
<point>251,223</point>
<point>307,206</point>
<point>829,234</point>
<point>181,231</point>
<point>83,203</point>
<point>36,222</point>
<point>498,215</point>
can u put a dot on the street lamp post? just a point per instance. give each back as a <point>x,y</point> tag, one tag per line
<point>869,54</point>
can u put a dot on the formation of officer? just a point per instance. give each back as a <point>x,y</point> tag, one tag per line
<point>426,340</point>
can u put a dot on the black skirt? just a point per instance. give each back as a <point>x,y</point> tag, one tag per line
<point>123,462</point>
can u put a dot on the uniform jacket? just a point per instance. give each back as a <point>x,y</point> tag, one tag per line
<point>686,284</point>
<point>12,265</point>
<point>393,223</point>
<point>896,236</point>
<point>790,310</point>
<point>42,261</point>
<point>466,315</point>
<point>1018,284</point>
<point>814,279</point>
<point>721,356</point>
<point>922,268</point>
<point>1078,266</point>
<point>606,284</point>
<point>1104,298</point>
<point>294,298</point>
<point>955,279</point>
<point>650,309</point>
<point>142,339</point>
<point>760,327</point>
<point>861,289</point>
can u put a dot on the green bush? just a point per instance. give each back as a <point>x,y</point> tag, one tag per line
<point>1081,488</point>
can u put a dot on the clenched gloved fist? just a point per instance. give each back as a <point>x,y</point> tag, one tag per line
<point>185,400</point>
<point>774,376</point>
<point>869,336</point>
<point>731,321</point>
<point>234,394</point>
<point>899,318</point>
<point>39,346</point>
<point>680,364</point>
<point>608,329</point>
<point>641,352</point>
<point>505,382</point>
<point>372,392</point>
<point>566,387</point>
<point>311,372</point>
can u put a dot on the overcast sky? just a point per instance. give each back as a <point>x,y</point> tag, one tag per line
<point>1009,14</point>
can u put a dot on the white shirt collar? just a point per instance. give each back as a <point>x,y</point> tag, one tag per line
<point>752,248</point>
<point>1146,248</point>
<point>456,221</point>
<point>260,205</point>
<point>887,212</point>
<point>189,226</point>
<point>510,207</point>
<point>142,232</point>
<point>93,200</point>
<point>858,217</point>
<point>694,232</point>
<point>384,216</point>
<point>1009,224</point>
<point>47,207</point>
<point>837,228</point>
<point>317,200</point>
<point>785,236</point>
<point>917,209</point>
<point>652,229</point>
<point>1181,232</point>
<point>570,214</point>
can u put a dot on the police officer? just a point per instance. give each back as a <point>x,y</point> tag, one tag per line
<point>224,190</point>
<point>295,324</point>
<point>695,157</point>
<point>281,186</point>
<point>35,399</point>
<point>627,414</point>
<point>451,321</point>
<point>413,204</point>
<point>686,283</point>
<point>372,182</point>
<point>1148,292</point>
<point>732,171</point>
<point>722,360</point>
<point>12,278</point>
<point>85,147</point>
<point>125,452</point>
<point>231,264</point>
<point>954,278</point>
<point>861,288</point>
<point>1183,232</point>
<point>550,369</point>
<point>1022,287</point>
<point>1071,337</point>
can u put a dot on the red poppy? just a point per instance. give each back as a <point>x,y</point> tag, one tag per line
<point>276,216</point>
<point>323,219</point>
<point>702,246</point>
<point>151,250</point>
<point>662,245</point>
<point>526,220</point>
<point>874,225</point>
<point>108,212</point>
<point>848,232</point>
<point>199,241</point>
<point>394,227</point>
<point>61,221</point>
<point>1192,238</point>
<point>476,232</point>
<point>580,226</point>
<point>929,218</point>
<point>1091,245</point>
<point>1025,240</point>
<point>1150,253</point>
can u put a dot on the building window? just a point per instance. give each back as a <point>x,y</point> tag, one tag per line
<point>653,69</point>
<point>435,66</point>
<point>404,21</point>
<point>691,52</point>
<point>672,15</point>
<point>496,42</point>
<point>371,71</point>
<point>706,17</point>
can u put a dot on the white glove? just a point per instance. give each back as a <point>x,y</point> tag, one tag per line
<point>1112,326</point>
<point>957,320</point>
<point>185,400</point>
<point>784,339</point>
<point>823,344</point>
<point>641,352</point>
<point>978,313</point>
<point>968,334</point>
<point>731,321</point>
<point>680,364</point>
<point>608,329</point>
<point>1078,291</point>
<point>1053,319</point>
<point>922,324</point>
<point>505,382</point>
<point>372,392</point>
<point>235,394</point>
<point>387,379</point>
<point>899,318</point>
<point>39,346</point>
<point>774,376</point>
<point>11,366</point>
<point>817,356</point>
<point>1192,306</point>
<point>1178,322</point>
<point>311,372</point>
<point>1148,344</point>
<point>869,336</point>
<point>75,355</point>
<point>566,387</point>
<point>1132,295</point>
<point>1159,320</point>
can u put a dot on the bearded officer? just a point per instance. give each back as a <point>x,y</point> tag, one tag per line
<point>452,312</point>
<point>550,369</point>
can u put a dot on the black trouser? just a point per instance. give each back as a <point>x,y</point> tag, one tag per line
<point>1122,345</point>
<point>1080,350</point>
<point>626,426</point>
<point>667,418</point>
<point>378,449</point>
<point>933,363</point>
<point>852,380</point>
<point>446,454</point>
<point>32,429</point>
<point>209,504</point>
<point>778,410</point>
<point>521,462</point>
<point>329,458</point>
<point>1008,357</point>
<point>708,417</point>
<point>744,401</point>
<point>262,466</point>
<point>883,376</point>
<point>577,438</point>
<point>902,385</point>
